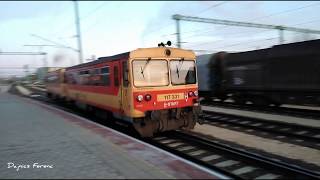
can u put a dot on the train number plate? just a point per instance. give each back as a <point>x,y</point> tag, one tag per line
<point>169,97</point>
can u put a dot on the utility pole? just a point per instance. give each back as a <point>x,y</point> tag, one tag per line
<point>178,33</point>
<point>78,30</point>
<point>178,17</point>
<point>281,40</point>
<point>26,70</point>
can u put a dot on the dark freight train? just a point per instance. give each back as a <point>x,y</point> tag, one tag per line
<point>282,74</point>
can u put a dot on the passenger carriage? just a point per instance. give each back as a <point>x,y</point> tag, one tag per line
<point>155,89</point>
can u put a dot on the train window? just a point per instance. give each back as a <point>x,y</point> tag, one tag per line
<point>105,70</point>
<point>70,78</point>
<point>105,76</point>
<point>125,73</point>
<point>84,72</point>
<point>52,79</point>
<point>84,77</point>
<point>150,73</point>
<point>182,72</point>
<point>116,76</point>
<point>95,77</point>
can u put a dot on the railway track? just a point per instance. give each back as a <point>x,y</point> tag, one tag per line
<point>233,162</point>
<point>297,134</point>
<point>295,112</point>
<point>234,165</point>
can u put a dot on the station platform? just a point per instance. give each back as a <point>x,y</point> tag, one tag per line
<point>40,141</point>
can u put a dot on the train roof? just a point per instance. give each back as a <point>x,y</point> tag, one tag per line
<point>297,48</point>
<point>315,42</point>
<point>301,44</point>
<point>281,50</point>
<point>101,60</point>
<point>156,52</point>
<point>153,52</point>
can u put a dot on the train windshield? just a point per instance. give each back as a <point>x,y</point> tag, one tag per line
<point>150,73</point>
<point>182,72</point>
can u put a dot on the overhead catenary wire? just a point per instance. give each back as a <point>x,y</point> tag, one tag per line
<point>247,42</point>
<point>245,32</point>
<point>53,18</point>
<point>200,12</point>
<point>211,7</point>
<point>220,48</point>
<point>308,22</point>
<point>92,12</point>
<point>258,18</point>
<point>53,42</point>
<point>286,11</point>
<point>95,23</point>
<point>301,23</point>
<point>96,9</point>
<point>67,21</point>
<point>252,31</point>
<point>178,18</point>
<point>58,13</point>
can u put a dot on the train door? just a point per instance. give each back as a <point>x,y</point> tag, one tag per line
<point>63,84</point>
<point>116,83</point>
<point>125,90</point>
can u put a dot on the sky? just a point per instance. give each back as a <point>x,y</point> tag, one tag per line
<point>112,27</point>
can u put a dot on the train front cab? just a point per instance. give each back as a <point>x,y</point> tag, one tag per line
<point>160,90</point>
<point>55,85</point>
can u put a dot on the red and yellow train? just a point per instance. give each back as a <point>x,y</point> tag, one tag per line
<point>155,89</point>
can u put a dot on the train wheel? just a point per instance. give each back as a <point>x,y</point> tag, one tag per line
<point>190,120</point>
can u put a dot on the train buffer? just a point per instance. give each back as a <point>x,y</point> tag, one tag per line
<point>40,141</point>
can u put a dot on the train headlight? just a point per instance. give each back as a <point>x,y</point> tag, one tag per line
<point>190,93</point>
<point>195,93</point>
<point>167,52</point>
<point>139,98</point>
<point>147,97</point>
